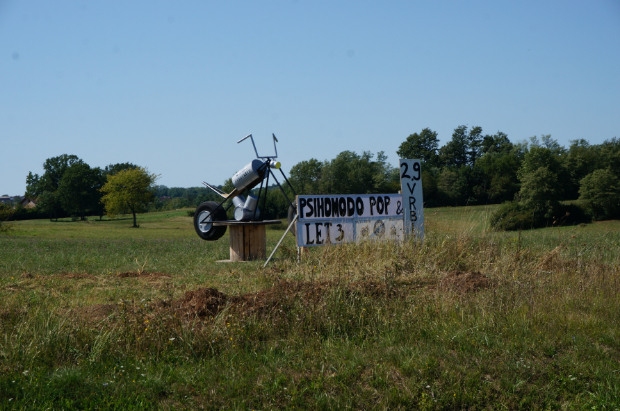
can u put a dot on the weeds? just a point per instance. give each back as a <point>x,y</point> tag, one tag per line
<point>141,270</point>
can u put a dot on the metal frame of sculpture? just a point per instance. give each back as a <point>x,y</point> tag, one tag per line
<point>258,171</point>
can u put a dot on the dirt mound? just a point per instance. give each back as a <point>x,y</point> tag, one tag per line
<point>208,302</point>
<point>465,281</point>
<point>202,302</point>
<point>135,274</point>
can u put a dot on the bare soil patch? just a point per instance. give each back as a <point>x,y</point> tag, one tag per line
<point>204,302</point>
<point>208,302</point>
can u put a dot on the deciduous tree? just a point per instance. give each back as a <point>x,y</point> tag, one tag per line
<point>601,190</point>
<point>306,176</point>
<point>496,144</point>
<point>129,191</point>
<point>540,191</point>
<point>454,152</point>
<point>55,168</point>
<point>113,169</point>
<point>78,189</point>
<point>464,148</point>
<point>350,173</point>
<point>421,146</point>
<point>44,188</point>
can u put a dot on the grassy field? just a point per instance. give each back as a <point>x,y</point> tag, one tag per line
<point>98,315</point>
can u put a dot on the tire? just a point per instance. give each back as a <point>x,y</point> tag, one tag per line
<point>212,212</point>
<point>291,216</point>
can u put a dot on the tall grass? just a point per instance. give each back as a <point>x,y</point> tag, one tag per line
<point>372,325</point>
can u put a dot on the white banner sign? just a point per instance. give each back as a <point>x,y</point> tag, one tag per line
<point>337,219</point>
<point>411,187</point>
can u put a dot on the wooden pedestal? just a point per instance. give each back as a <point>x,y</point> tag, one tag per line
<point>247,243</point>
<point>247,239</point>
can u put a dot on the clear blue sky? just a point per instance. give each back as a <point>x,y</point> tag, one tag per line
<point>172,85</point>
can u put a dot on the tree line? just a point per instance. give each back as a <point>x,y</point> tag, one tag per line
<point>69,187</point>
<point>531,178</point>
<point>172,198</point>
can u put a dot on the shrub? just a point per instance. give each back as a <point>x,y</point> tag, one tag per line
<point>20,213</point>
<point>5,212</point>
<point>540,191</point>
<point>601,192</point>
<point>514,216</point>
<point>571,214</point>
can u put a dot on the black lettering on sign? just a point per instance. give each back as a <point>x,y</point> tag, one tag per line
<point>380,205</point>
<point>413,215</point>
<point>320,209</point>
<point>342,206</point>
<point>387,200</point>
<point>372,202</point>
<point>399,208</point>
<point>335,212</point>
<point>416,168</point>
<point>318,233</point>
<point>340,232</point>
<point>308,234</point>
<point>412,203</point>
<point>350,206</point>
<point>404,174</point>
<point>328,239</point>
<point>328,208</point>
<point>359,206</point>
<point>302,204</point>
<point>309,204</point>
<point>411,188</point>
<point>379,228</point>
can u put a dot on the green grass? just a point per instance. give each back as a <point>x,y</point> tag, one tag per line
<point>369,326</point>
<point>166,224</point>
<point>599,240</point>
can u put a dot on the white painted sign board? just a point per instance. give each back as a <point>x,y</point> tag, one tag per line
<point>338,219</point>
<point>411,189</point>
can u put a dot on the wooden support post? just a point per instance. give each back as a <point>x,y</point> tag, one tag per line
<point>248,240</point>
